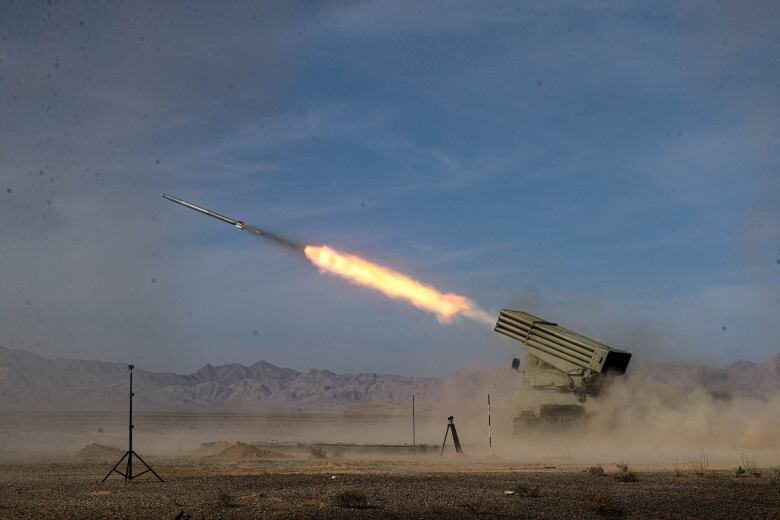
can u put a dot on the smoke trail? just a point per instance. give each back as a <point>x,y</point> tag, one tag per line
<point>395,285</point>
<point>279,240</point>
<point>362,272</point>
<point>445,306</point>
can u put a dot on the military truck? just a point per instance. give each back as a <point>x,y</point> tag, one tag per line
<point>562,369</point>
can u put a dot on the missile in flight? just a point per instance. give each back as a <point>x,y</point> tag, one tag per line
<point>223,218</point>
<point>359,271</point>
<point>273,237</point>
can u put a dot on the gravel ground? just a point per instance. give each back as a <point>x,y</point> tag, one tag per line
<point>411,488</point>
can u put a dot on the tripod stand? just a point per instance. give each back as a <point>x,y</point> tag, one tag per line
<point>129,454</point>
<point>455,439</point>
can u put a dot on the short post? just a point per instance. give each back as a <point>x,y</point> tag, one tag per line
<point>490,430</point>
<point>414,436</point>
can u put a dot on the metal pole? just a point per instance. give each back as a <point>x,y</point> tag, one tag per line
<point>130,432</point>
<point>128,474</point>
<point>490,429</point>
<point>414,433</point>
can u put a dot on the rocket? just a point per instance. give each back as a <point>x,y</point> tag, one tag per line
<point>273,237</point>
<point>223,218</point>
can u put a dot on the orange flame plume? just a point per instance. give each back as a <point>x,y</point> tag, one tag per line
<point>395,285</point>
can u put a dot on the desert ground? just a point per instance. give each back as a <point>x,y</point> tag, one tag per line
<point>409,487</point>
<point>309,466</point>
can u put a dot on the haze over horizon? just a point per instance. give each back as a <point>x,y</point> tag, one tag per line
<point>611,168</point>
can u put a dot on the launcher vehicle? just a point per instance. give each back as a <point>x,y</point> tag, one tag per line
<point>562,369</point>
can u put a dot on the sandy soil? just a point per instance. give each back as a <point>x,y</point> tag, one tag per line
<point>51,466</point>
<point>421,487</point>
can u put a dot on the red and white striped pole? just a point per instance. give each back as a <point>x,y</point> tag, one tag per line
<point>490,429</point>
<point>414,433</point>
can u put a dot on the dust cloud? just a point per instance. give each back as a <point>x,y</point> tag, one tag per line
<point>645,418</point>
<point>651,416</point>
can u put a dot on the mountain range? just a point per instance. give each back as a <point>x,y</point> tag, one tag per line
<point>31,382</point>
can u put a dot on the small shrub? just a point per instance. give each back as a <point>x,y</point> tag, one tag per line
<point>740,472</point>
<point>351,500</point>
<point>750,466</point>
<point>677,471</point>
<point>316,451</point>
<point>597,470</point>
<point>625,474</point>
<point>227,500</point>
<point>604,505</point>
<point>698,462</point>
<point>774,478</point>
<point>525,490</point>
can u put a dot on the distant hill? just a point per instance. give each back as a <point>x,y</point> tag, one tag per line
<point>31,382</point>
<point>744,378</point>
<point>755,378</point>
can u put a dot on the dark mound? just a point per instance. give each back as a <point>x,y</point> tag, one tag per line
<point>243,451</point>
<point>98,452</point>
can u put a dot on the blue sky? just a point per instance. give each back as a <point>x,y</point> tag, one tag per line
<point>614,168</point>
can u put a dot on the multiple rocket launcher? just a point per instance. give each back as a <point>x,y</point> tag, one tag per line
<point>561,370</point>
<point>568,351</point>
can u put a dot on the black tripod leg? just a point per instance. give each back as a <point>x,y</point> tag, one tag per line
<point>114,468</point>
<point>446,432</point>
<point>129,470</point>
<point>455,438</point>
<point>148,466</point>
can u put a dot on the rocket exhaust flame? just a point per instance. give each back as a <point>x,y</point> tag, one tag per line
<point>395,285</point>
<point>445,306</point>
